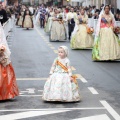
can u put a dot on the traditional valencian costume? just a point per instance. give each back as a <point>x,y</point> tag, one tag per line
<point>49,21</point>
<point>59,87</point>
<point>107,44</point>
<point>57,31</point>
<point>27,20</point>
<point>8,85</point>
<point>20,21</point>
<point>81,39</point>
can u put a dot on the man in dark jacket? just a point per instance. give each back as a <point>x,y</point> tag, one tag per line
<point>43,12</point>
<point>3,15</point>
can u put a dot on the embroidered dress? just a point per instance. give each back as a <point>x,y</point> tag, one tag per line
<point>20,21</point>
<point>80,38</point>
<point>57,31</point>
<point>8,84</point>
<point>59,87</point>
<point>49,23</point>
<point>28,22</point>
<point>107,44</point>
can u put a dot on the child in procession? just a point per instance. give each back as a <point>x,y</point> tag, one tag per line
<point>61,85</point>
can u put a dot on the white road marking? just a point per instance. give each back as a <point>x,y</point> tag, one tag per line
<point>81,78</point>
<point>73,69</point>
<point>115,115</point>
<point>30,95</point>
<point>40,90</point>
<point>31,90</point>
<point>49,44</point>
<point>28,114</point>
<point>96,117</point>
<point>93,91</point>
<point>24,91</point>
<point>31,78</point>
<point>54,109</point>
<point>55,51</point>
<point>52,47</point>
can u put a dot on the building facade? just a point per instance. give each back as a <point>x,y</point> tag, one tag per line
<point>97,3</point>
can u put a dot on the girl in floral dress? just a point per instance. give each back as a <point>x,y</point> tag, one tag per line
<point>61,85</point>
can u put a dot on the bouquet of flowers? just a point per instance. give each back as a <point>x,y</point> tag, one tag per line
<point>90,30</point>
<point>117,30</point>
<point>3,58</point>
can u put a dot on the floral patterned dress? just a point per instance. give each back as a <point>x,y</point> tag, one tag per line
<point>107,44</point>
<point>57,31</point>
<point>80,38</point>
<point>59,87</point>
<point>28,23</point>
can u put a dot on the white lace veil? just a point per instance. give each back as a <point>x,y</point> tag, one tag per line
<point>99,21</point>
<point>4,42</point>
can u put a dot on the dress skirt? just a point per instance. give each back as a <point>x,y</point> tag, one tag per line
<point>58,31</point>
<point>20,21</point>
<point>8,84</point>
<point>60,88</point>
<point>106,46</point>
<point>28,23</point>
<point>48,25</point>
<point>81,39</point>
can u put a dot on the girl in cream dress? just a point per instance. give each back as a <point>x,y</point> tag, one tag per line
<point>49,21</point>
<point>107,44</point>
<point>80,38</point>
<point>57,31</point>
<point>61,85</point>
<point>20,21</point>
<point>27,20</point>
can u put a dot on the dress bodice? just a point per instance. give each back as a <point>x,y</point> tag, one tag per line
<point>106,21</point>
<point>83,19</point>
<point>59,69</point>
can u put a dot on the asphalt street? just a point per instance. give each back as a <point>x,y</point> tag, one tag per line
<point>32,57</point>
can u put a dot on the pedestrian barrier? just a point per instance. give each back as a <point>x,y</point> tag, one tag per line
<point>8,25</point>
<point>91,22</point>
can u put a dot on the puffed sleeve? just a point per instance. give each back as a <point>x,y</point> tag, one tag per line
<point>53,67</point>
<point>69,68</point>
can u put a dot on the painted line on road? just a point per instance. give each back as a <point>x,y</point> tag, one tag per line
<point>84,108</point>
<point>52,47</point>
<point>30,95</point>
<point>73,69</point>
<point>50,44</point>
<point>81,78</point>
<point>93,91</point>
<point>95,117</point>
<point>31,78</point>
<point>39,33</point>
<point>47,42</point>
<point>28,114</point>
<point>115,115</point>
<point>55,51</point>
<point>40,90</point>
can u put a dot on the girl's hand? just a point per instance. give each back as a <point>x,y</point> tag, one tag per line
<point>71,79</point>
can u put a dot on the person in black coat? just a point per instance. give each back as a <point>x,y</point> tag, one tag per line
<point>3,15</point>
